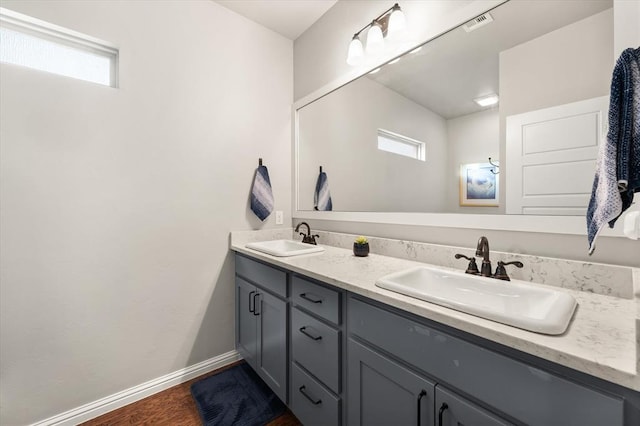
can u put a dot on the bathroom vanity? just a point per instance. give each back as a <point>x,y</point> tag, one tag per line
<point>339,350</point>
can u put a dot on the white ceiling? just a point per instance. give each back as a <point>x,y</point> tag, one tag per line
<point>289,18</point>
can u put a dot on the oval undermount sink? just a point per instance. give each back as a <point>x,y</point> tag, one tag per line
<point>514,303</point>
<point>284,248</point>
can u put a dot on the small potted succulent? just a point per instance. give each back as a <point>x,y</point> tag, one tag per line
<point>361,247</point>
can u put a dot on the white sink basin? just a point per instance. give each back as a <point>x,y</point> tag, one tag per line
<point>283,248</point>
<point>514,303</point>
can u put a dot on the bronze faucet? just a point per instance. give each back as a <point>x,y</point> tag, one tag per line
<point>482,250</point>
<point>307,238</point>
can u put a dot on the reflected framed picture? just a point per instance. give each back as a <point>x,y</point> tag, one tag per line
<point>479,185</point>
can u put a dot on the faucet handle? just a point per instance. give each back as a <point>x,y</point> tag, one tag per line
<point>309,239</point>
<point>501,272</point>
<point>473,266</point>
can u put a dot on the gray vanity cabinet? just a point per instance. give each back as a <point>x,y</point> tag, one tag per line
<point>339,358</point>
<point>383,392</point>
<point>316,352</point>
<point>453,410</point>
<point>516,390</point>
<point>246,323</point>
<point>261,322</point>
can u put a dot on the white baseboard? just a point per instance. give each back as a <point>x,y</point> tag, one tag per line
<point>136,393</point>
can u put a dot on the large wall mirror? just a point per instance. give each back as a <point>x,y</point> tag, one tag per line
<point>411,137</point>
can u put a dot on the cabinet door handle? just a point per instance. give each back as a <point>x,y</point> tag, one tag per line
<point>252,310</point>
<point>303,331</point>
<point>420,395</point>
<point>443,407</point>
<point>305,297</point>
<point>254,304</point>
<point>306,395</point>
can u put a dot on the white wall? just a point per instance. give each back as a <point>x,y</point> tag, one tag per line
<point>319,56</point>
<point>117,203</point>
<point>627,32</point>
<point>339,132</point>
<point>472,138</point>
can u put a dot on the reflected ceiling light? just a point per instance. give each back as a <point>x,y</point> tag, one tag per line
<point>356,51</point>
<point>488,100</point>
<point>374,71</point>
<point>416,50</point>
<point>391,24</point>
<point>394,61</point>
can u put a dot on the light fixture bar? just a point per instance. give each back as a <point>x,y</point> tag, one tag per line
<point>395,6</point>
<point>390,23</point>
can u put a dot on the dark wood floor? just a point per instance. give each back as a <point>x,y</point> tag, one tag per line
<point>174,406</point>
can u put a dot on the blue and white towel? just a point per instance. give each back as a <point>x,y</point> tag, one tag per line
<point>629,150</point>
<point>618,167</point>
<point>261,194</point>
<point>322,196</point>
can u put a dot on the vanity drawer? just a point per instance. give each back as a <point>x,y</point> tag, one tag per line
<point>315,298</point>
<point>316,346</point>
<point>312,403</point>
<point>499,381</point>
<point>265,276</point>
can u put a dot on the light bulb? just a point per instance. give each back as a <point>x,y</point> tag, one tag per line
<point>397,23</point>
<point>356,52</point>
<point>375,39</point>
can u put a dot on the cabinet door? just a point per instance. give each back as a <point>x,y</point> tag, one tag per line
<point>382,392</point>
<point>454,410</point>
<point>246,325</point>
<point>271,314</point>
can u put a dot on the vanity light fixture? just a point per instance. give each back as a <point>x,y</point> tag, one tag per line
<point>488,100</point>
<point>390,24</point>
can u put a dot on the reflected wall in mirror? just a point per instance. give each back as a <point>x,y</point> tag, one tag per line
<point>550,63</point>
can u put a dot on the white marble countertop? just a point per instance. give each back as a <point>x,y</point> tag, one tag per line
<point>600,341</point>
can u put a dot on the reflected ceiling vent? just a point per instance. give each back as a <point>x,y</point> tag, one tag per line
<point>478,22</point>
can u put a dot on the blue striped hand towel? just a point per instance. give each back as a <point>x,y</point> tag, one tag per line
<point>322,196</point>
<point>261,194</point>
<point>618,167</point>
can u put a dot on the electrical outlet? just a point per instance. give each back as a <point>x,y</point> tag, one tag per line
<point>279,217</point>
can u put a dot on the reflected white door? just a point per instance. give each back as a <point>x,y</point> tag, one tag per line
<point>551,157</point>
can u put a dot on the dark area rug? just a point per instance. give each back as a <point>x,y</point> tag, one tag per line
<point>236,396</point>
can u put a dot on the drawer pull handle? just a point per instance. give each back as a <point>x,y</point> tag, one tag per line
<point>443,407</point>
<point>252,310</point>
<point>303,331</point>
<point>305,297</point>
<point>255,312</point>
<point>306,395</point>
<point>422,393</point>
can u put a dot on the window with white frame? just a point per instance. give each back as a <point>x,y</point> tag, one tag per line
<point>401,145</point>
<point>36,44</point>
